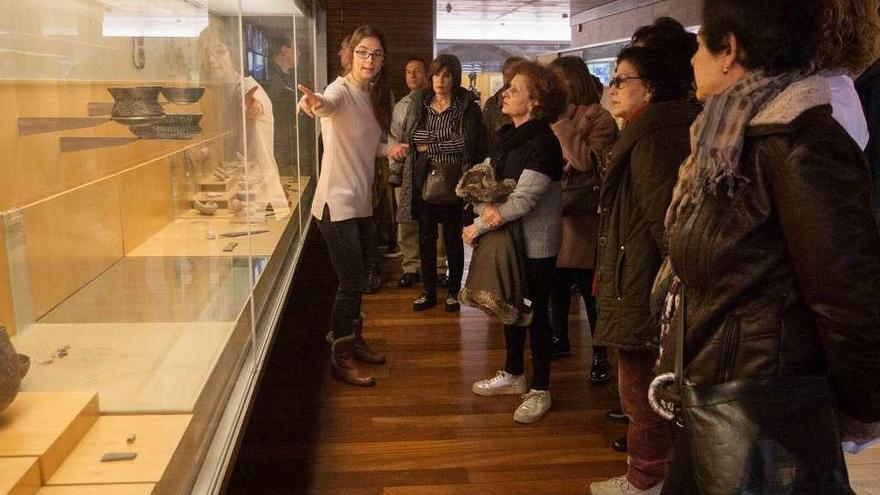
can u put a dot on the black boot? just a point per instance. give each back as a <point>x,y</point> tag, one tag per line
<point>600,372</point>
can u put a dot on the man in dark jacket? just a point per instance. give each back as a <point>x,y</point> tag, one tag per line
<point>280,87</point>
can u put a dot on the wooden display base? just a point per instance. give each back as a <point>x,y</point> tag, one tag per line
<point>19,476</point>
<point>47,425</point>
<point>157,439</point>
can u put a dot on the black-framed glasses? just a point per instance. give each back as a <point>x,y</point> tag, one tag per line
<point>365,54</point>
<point>617,82</point>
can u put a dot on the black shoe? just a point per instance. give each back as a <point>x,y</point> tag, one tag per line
<point>442,280</point>
<point>425,301</point>
<point>561,348</point>
<point>374,283</point>
<point>452,304</point>
<point>600,373</point>
<point>409,279</point>
<point>619,445</point>
<point>617,415</point>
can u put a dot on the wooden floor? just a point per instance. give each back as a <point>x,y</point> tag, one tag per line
<point>421,430</point>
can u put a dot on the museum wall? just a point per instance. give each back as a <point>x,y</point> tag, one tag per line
<point>408,28</point>
<point>634,13</point>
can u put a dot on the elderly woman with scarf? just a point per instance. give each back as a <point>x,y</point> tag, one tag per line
<point>529,153</point>
<point>771,234</point>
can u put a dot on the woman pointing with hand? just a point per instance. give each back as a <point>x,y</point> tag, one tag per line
<point>355,112</point>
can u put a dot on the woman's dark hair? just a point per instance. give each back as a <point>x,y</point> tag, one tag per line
<point>448,62</point>
<point>544,86</point>
<point>581,88</point>
<point>658,72</point>
<point>670,36</point>
<point>380,89</point>
<point>776,36</point>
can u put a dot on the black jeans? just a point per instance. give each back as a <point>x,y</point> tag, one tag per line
<point>540,273</point>
<point>352,250</point>
<point>450,218</point>
<point>560,301</point>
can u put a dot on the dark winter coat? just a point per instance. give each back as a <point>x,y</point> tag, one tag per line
<point>782,278</point>
<point>636,191</point>
<point>868,87</point>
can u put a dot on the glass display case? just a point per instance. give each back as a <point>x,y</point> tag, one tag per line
<point>156,190</point>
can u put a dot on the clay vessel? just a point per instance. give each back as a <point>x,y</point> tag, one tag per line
<point>13,368</point>
<point>182,96</point>
<point>137,105</point>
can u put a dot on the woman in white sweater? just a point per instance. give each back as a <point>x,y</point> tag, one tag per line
<point>355,111</point>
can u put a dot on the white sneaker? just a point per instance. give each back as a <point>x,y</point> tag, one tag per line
<point>621,486</point>
<point>503,383</point>
<point>534,405</point>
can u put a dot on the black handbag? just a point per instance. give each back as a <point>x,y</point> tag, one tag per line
<point>580,194</point>
<point>439,185</point>
<point>774,435</point>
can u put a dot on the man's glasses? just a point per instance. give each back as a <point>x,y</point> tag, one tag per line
<point>617,82</point>
<point>364,54</point>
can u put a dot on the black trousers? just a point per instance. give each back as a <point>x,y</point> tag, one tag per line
<point>560,301</point>
<point>352,247</point>
<point>540,273</point>
<point>450,219</point>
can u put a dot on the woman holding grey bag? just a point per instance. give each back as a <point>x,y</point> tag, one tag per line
<point>445,128</point>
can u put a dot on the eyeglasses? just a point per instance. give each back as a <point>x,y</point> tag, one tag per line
<point>617,82</point>
<point>364,54</point>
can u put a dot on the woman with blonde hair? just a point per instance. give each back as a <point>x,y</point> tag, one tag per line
<point>355,110</point>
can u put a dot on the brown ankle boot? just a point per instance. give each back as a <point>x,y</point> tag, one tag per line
<point>362,351</point>
<point>342,365</point>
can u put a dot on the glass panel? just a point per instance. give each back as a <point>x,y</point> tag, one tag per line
<point>149,207</point>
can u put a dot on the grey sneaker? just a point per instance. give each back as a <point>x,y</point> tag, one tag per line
<point>503,383</point>
<point>534,405</point>
<point>621,486</point>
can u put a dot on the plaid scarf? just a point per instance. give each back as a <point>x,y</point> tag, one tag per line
<point>717,137</point>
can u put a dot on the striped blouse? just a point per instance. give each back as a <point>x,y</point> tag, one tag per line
<point>443,135</point>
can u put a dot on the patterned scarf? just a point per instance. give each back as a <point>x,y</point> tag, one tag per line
<point>717,137</point>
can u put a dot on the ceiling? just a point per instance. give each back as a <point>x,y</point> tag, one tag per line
<point>526,20</point>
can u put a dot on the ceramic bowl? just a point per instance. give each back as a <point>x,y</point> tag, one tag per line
<point>183,96</point>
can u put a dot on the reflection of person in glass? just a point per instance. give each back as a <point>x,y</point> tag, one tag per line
<point>355,110</point>
<point>261,187</point>
<point>280,87</point>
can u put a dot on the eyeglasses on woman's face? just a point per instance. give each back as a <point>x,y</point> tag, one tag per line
<point>365,54</point>
<point>618,81</point>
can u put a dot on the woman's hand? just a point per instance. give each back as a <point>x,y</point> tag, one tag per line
<point>252,107</point>
<point>398,152</point>
<point>310,102</point>
<point>469,234</point>
<point>491,216</point>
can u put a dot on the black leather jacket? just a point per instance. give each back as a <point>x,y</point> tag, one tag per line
<point>783,278</point>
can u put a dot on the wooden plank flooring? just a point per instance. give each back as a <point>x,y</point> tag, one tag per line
<point>421,431</point>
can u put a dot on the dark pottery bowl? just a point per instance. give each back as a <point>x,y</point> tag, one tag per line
<point>137,102</point>
<point>183,96</point>
<point>156,131</point>
<point>181,120</point>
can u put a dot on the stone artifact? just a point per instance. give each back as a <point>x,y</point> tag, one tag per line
<point>136,106</point>
<point>183,96</point>
<point>13,368</point>
<point>206,208</point>
<point>118,456</point>
<point>131,438</point>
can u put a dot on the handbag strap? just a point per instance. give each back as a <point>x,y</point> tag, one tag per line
<point>679,340</point>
